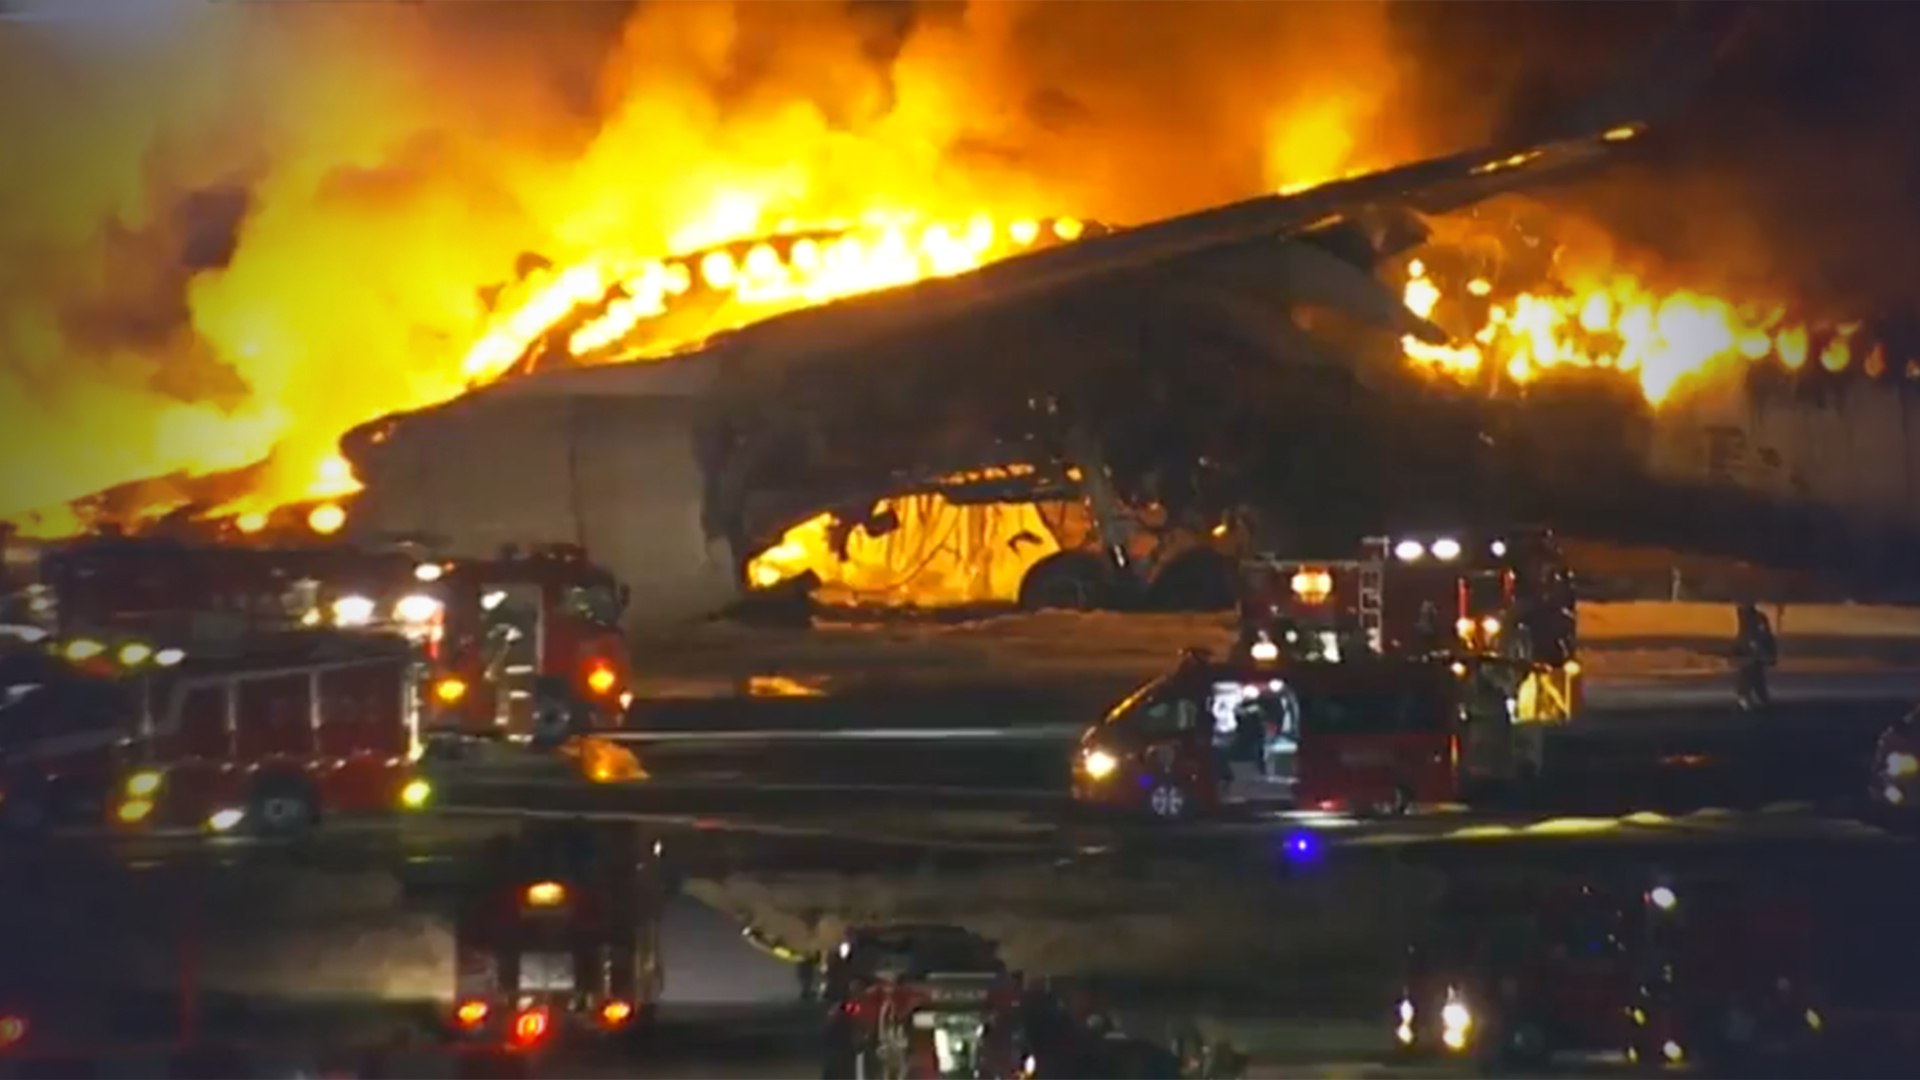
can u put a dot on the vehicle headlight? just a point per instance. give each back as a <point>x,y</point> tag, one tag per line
<point>1902,764</point>
<point>1406,1011</point>
<point>416,608</point>
<point>1456,1021</point>
<point>1265,652</point>
<point>353,611</point>
<point>1098,763</point>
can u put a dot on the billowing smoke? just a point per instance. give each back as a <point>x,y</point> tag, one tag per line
<point>229,230</point>
<point>234,230</point>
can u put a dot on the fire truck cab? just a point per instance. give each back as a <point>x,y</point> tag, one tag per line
<point>1510,596</point>
<point>511,621</point>
<point>262,733</point>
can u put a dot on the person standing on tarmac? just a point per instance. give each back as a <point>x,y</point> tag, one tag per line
<point>1754,651</point>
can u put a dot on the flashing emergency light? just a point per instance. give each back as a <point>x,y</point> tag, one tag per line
<point>226,820</point>
<point>12,1030</point>
<point>471,1013</point>
<point>353,611</point>
<point>450,690</point>
<point>169,657</point>
<point>416,608</point>
<point>1446,549</point>
<point>1662,897</point>
<point>530,1026</point>
<point>134,654</point>
<point>1301,847</point>
<point>1312,586</point>
<point>1463,627</point>
<point>1264,651</point>
<point>546,894</point>
<point>615,1013</point>
<point>1408,550</point>
<point>143,784</point>
<point>1098,763</point>
<point>134,811</point>
<point>82,649</point>
<point>428,572</point>
<point>416,794</point>
<point>1498,548</point>
<point>601,679</point>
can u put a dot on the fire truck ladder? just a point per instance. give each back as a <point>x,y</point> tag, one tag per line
<point>1373,565</point>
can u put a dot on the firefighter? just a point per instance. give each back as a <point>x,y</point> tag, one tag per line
<point>1428,636</point>
<point>1754,651</point>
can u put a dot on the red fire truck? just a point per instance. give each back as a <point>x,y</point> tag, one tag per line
<point>264,732</point>
<point>1509,596</point>
<point>561,939</point>
<point>489,628</point>
<point>508,622</point>
<point>1368,734</point>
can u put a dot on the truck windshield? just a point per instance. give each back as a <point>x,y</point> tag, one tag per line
<point>598,604</point>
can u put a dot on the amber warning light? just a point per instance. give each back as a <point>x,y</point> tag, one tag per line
<point>546,894</point>
<point>601,679</point>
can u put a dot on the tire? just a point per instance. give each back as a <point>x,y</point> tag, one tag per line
<point>1169,802</point>
<point>282,806</point>
<point>1066,581</point>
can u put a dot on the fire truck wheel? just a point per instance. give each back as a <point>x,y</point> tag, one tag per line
<point>1169,802</point>
<point>282,806</point>
<point>1068,581</point>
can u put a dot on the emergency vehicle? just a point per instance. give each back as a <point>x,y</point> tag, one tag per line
<point>561,938</point>
<point>1368,734</point>
<point>505,623</point>
<point>1671,973</point>
<point>1510,596</point>
<point>264,732</point>
<point>921,1002</point>
<point>488,628</point>
<point>1893,776</point>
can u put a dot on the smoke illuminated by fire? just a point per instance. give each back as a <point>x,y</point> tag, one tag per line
<point>254,226</point>
<point>237,231</point>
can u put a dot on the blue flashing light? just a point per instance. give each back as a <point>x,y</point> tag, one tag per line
<point>1301,846</point>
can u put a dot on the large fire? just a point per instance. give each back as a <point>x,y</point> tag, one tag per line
<point>392,187</point>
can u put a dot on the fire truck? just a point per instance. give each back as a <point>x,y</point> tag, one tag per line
<point>268,733</point>
<point>488,629</point>
<point>1510,596</point>
<point>560,940</point>
<point>506,623</point>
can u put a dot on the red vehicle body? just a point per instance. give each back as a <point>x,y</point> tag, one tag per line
<point>1509,597</point>
<point>563,939</point>
<point>508,621</point>
<point>1376,733</point>
<point>269,731</point>
<point>488,627</point>
<point>921,1002</point>
<point>1663,973</point>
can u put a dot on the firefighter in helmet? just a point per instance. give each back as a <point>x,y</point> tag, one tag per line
<point>1754,651</point>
